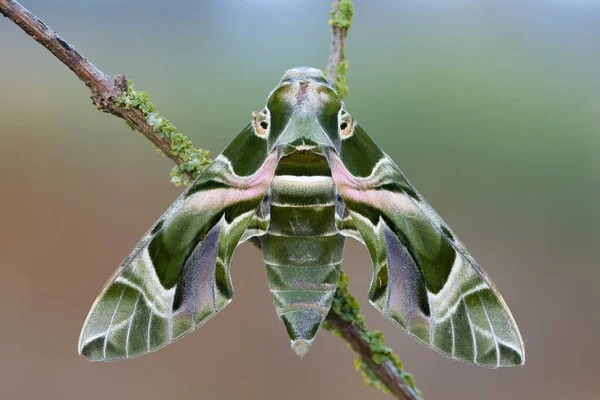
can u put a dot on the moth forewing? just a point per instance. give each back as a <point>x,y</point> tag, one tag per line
<point>177,277</point>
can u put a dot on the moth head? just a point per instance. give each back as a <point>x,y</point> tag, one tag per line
<point>305,89</point>
<point>303,108</point>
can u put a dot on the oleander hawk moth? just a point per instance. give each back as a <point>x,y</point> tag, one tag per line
<point>299,179</point>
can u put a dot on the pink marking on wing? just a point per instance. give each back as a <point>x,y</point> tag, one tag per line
<point>241,188</point>
<point>361,189</point>
<point>264,175</point>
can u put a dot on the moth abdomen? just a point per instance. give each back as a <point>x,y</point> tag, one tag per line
<point>302,249</point>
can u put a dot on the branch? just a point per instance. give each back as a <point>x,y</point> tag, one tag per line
<point>386,372</point>
<point>341,21</point>
<point>378,364</point>
<point>116,96</point>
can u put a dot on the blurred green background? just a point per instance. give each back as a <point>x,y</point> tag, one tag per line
<point>491,108</point>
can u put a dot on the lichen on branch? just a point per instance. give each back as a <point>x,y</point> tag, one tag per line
<point>341,16</point>
<point>376,362</point>
<point>193,161</point>
<point>337,66</point>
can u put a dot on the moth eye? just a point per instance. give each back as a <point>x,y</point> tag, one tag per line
<point>346,124</point>
<point>261,123</point>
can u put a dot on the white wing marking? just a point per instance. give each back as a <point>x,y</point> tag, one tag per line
<point>110,324</point>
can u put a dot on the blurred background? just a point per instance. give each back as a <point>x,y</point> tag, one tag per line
<point>491,108</point>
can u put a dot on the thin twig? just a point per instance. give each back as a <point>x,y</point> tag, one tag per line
<point>341,21</point>
<point>386,371</point>
<point>117,97</point>
<point>378,364</point>
<point>105,90</point>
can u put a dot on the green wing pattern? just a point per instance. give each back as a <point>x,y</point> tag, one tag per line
<point>296,181</point>
<point>177,277</point>
<point>424,279</point>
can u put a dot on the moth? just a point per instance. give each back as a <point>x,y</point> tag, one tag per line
<point>299,179</point>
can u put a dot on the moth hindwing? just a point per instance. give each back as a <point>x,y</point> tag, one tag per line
<point>298,180</point>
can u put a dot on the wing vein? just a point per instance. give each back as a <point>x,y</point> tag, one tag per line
<point>149,331</point>
<point>492,330</point>
<point>431,322</point>
<point>470,326</point>
<point>111,323</point>
<point>130,324</point>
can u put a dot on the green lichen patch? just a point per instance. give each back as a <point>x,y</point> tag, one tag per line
<point>341,16</point>
<point>191,161</point>
<point>341,21</point>
<point>340,81</point>
<point>346,306</point>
